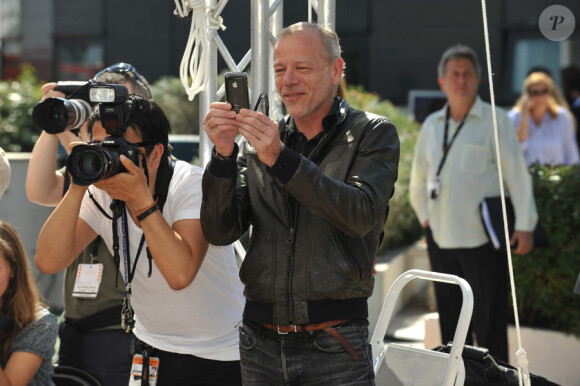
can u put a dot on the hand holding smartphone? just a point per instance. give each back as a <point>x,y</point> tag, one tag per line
<point>236,84</point>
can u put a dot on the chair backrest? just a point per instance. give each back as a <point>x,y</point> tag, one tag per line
<point>71,376</point>
<point>397,357</point>
<point>404,365</point>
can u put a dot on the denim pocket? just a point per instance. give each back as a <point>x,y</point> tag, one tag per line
<point>248,339</point>
<point>355,335</point>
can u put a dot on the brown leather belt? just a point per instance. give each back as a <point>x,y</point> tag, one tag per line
<point>325,326</point>
<point>302,327</point>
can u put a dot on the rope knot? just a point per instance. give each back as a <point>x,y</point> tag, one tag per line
<point>521,358</point>
<point>215,23</point>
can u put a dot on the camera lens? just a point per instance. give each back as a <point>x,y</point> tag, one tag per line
<point>88,164</point>
<point>54,115</point>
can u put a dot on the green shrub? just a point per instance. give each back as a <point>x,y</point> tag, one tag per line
<point>545,278</point>
<point>402,227</point>
<point>17,98</point>
<point>183,115</point>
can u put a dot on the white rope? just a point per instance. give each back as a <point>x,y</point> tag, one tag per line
<point>192,70</point>
<point>522,360</point>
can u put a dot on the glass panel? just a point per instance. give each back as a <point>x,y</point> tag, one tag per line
<point>530,53</point>
<point>78,60</point>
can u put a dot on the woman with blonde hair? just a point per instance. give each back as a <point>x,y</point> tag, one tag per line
<point>27,329</point>
<point>545,127</point>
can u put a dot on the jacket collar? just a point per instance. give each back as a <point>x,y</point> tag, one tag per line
<point>336,116</point>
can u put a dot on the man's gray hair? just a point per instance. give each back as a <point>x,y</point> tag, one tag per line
<point>330,41</point>
<point>457,52</point>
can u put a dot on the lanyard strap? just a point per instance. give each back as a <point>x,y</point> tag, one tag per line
<point>126,255</point>
<point>447,146</point>
<point>130,271</point>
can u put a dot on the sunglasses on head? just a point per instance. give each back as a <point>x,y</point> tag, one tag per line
<point>121,68</point>
<point>538,92</point>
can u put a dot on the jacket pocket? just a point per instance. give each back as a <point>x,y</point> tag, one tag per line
<point>332,263</point>
<point>258,269</point>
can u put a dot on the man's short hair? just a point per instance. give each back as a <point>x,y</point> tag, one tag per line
<point>458,51</point>
<point>330,41</point>
<point>146,117</point>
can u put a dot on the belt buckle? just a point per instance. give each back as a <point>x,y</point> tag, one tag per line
<point>285,332</point>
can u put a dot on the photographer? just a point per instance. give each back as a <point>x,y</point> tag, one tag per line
<point>185,312</point>
<point>90,332</point>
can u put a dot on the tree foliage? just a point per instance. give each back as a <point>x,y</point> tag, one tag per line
<point>17,98</point>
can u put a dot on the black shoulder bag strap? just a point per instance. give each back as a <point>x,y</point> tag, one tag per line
<point>161,189</point>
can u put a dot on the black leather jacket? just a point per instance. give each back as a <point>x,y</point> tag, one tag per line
<point>321,253</point>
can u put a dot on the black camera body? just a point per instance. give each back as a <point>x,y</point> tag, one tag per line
<point>89,163</point>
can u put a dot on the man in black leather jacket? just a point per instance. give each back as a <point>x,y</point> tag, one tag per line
<point>315,188</point>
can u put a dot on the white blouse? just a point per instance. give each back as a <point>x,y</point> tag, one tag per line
<point>552,142</point>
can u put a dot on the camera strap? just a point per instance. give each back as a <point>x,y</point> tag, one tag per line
<point>127,320</point>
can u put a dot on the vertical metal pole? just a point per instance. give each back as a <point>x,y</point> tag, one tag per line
<point>326,13</point>
<point>276,25</point>
<point>207,96</point>
<point>260,23</point>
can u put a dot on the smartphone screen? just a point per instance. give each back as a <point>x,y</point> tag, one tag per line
<point>236,84</point>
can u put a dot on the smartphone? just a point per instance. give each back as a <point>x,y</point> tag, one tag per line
<point>237,94</point>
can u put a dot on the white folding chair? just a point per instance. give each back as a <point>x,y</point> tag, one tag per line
<point>397,364</point>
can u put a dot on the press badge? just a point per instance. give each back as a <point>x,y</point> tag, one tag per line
<point>137,370</point>
<point>88,280</point>
<point>434,187</point>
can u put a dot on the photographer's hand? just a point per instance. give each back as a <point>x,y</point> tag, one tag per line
<point>47,90</point>
<point>221,127</point>
<point>263,134</point>
<point>130,187</point>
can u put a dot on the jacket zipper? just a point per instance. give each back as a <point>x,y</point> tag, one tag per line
<point>293,220</point>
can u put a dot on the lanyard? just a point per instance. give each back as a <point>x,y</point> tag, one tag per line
<point>130,271</point>
<point>127,313</point>
<point>126,256</point>
<point>447,146</point>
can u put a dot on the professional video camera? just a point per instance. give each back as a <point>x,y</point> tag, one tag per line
<point>89,163</point>
<point>55,115</point>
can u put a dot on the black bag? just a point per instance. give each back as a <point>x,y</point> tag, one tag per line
<point>482,369</point>
<point>492,218</point>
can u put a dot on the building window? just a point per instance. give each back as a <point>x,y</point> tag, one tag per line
<point>529,53</point>
<point>78,59</point>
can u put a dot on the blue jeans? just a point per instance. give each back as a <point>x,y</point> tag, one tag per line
<point>305,358</point>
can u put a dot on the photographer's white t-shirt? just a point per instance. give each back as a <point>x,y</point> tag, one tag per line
<point>199,320</point>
